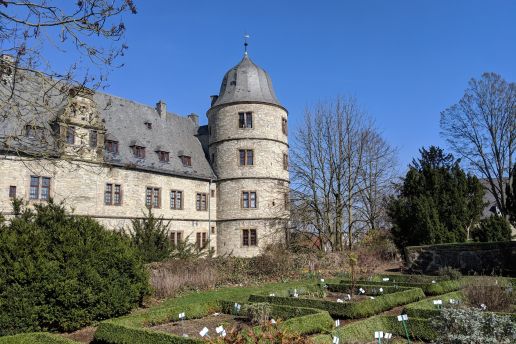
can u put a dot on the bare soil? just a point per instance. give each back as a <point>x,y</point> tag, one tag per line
<point>194,326</point>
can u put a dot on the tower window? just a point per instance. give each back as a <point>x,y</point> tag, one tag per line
<point>152,197</point>
<point>111,146</point>
<point>249,199</point>
<point>148,125</point>
<point>93,138</point>
<point>138,152</point>
<point>284,127</point>
<point>70,135</point>
<point>249,237</point>
<point>186,160</point>
<point>245,120</point>
<point>246,157</point>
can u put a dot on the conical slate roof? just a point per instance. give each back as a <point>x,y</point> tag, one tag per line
<point>246,82</point>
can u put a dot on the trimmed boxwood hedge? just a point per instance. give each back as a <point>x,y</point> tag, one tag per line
<point>36,337</point>
<point>352,310</point>
<point>430,289</point>
<point>303,321</point>
<point>370,289</point>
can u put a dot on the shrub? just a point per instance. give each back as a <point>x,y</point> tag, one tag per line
<point>471,326</point>
<point>451,273</point>
<point>494,228</point>
<point>150,236</point>
<point>258,313</point>
<point>495,293</point>
<point>61,272</point>
<point>266,334</point>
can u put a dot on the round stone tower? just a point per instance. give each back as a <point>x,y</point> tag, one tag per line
<point>248,149</point>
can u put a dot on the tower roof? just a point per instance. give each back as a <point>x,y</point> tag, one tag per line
<point>246,82</point>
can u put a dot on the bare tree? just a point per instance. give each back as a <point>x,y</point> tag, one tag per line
<point>48,51</point>
<point>481,127</point>
<point>328,167</point>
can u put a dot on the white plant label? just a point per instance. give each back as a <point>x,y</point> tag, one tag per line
<point>349,297</point>
<point>322,280</point>
<point>340,301</point>
<point>378,334</point>
<point>361,291</point>
<point>204,332</point>
<point>483,306</point>
<point>402,317</point>
<point>385,279</point>
<point>336,340</point>
<point>433,281</point>
<point>372,297</point>
<point>387,335</point>
<point>337,323</point>
<point>273,321</point>
<point>219,329</point>
<point>272,294</point>
<point>181,315</point>
<point>237,307</point>
<point>381,290</point>
<point>438,302</point>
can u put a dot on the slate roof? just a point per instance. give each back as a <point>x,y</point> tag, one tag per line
<point>246,82</point>
<point>124,121</point>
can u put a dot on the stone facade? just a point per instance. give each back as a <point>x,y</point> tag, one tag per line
<point>93,148</point>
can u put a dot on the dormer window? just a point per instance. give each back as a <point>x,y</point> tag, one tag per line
<point>148,125</point>
<point>186,160</point>
<point>112,146</point>
<point>163,156</point>
<point>245,120</point>
<point>70,135</point>
<point>138,152</point>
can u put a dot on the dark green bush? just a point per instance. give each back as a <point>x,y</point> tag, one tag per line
<point>61,272</point>
<point>37,337</point>
<point>448,271</point>
<point>494,228</point>
<point>150,235</point>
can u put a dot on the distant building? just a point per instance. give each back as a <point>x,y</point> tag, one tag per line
<point>110,158</point>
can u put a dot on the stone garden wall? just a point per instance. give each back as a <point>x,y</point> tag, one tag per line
<point>469,258</point>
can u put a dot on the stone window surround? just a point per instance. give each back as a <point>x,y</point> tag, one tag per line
<point>39,188</point>
<point>176,237</point>
<point>249,192</point>
<point>113,193</point>
<point>182,199</point>
<point>247,122</point>
<point>199,198</point>
<point>152,197</point>
<point>246,157</point>
<point>247,232</point>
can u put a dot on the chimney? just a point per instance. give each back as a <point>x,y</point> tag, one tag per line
<point>213,99</point>
<point>161,107</point>
<point>194,118</point>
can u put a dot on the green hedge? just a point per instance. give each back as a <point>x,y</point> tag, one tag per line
<point>429,288</point>
<point>36,337</point>
<point>414,278</point>
<point>363,331</point>
<point>352,310</point>
<point>370,289</point>
<point>110,333</point>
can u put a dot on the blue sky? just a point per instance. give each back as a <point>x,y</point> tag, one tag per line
<point>405,61</point>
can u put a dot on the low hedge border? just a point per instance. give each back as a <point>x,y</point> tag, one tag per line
<point>430,289</point>
<point>36,337</point>
<point>427,310</point>
<point>363,331</point>
<point>354,310</point>
<point>370,289</point>
<point>302,321</point>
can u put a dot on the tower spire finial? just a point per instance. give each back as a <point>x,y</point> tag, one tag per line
<point>246,36</point>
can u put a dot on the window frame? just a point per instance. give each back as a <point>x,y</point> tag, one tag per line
<point>111,146</point>
<point>93,142</point>
<point>176,198</point>
<point>11,193</point>
<point>284,126</point>
<point>199,201</point>
<point>247,152</point>
<point>249,237</point>
<point>201,240</point>
<point>42,187</point>
<point>186,160</point>
<point>153,191</point>
<point>163,156</point>
<point>138,151</point>
<point>176,237</point>
<point>70,135</point>
<point>285,161</point>
<point>248,199</point>
<point>245,120</point>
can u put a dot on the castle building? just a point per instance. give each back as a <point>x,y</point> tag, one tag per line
<point>225,184</point>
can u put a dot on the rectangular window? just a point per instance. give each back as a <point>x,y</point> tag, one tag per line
<point>246,157</point>
<point>12,191</point>
<point>138,152</point>
<point>285,162</point>
<point>249,199</point>
<point>39,188</point>
<point>93,138</point>
<point>176,199</point>
<point>212,193</point>
<point>163,156</point>
<point>117,199</point>
<point>245,120</point>
<point>201,201</point>
<point>152,198</point>
<point>112,146</point>
<point>186,160</point>
<point>70,135</point>
<point>286,200</point>
<point>212,229</point>
<point>249,237</point>
<point>284,127</point>
<point>176,238</point>
<point>108,194</point>
<point>201,239</point>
